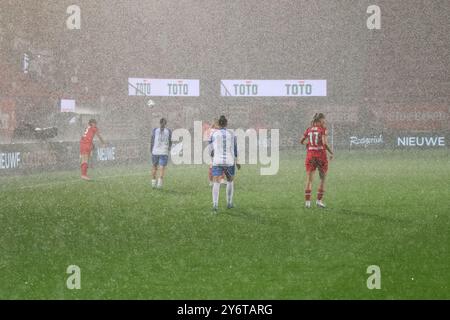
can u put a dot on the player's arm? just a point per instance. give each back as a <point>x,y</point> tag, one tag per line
<point>303,140</point>
<point>170,139</point>
<point>152,142</point>
<point>210,146</point>
<point>325,143</point>
<point>100,138</point>
<point>328,149</point>
<point>238,165</point>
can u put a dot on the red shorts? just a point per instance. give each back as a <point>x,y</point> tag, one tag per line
<point>316,160</point>
<point>85,148</point>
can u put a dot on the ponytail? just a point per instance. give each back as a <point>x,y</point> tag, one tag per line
<point>317,117</point>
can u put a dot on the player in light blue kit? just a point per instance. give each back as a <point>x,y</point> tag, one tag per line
<point>160,148</point>
<point>223,149</point>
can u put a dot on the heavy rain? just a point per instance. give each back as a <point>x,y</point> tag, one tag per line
<point>206,149</point>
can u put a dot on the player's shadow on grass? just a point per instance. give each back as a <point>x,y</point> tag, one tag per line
<point>172,192</point>
<point>362,214</point>
<point>247,215</point>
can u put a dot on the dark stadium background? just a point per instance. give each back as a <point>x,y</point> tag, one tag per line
<point>375,78</point>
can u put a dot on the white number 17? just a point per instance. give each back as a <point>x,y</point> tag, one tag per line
<point>314,142</point>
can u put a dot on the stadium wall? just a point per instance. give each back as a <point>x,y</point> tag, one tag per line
<point>51,156</point>
<point>28,158</point>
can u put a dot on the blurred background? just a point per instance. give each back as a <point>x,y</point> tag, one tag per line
<point>391,82</point>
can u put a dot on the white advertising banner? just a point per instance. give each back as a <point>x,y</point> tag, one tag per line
<point>273,88</point>
<point>163,87</point>
<point>67,105</point>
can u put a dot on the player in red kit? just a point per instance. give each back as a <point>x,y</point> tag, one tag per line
<point>86,146</point>
<point>315,139</point>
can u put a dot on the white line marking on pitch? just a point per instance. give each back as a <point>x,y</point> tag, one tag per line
<point>76,180</point>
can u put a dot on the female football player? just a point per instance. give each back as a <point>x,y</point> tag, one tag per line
<point>223,150</point>
<point>214,127</point>
<point>160,148</point>
<point>86,146</point>
<point>316,140</point>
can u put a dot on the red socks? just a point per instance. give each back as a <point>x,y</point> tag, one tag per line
<point>84,167</point>
<point>307,195</point>
<point>320,193</point>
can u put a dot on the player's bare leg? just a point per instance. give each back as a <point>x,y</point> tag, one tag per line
<point>223,180</point>
<point>84,158</point>
<point>321,190</point>
<point>154,170</point>
<point>90,162</point>
<point>210,176</point>
<point>308,187</point>
<point>162,170</point>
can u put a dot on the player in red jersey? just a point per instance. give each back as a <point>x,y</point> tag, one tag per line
<point>86,146</point>
<point>315,139</point>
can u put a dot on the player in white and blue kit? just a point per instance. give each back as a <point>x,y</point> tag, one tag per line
<point>160,148</point>
<point>223,149</point>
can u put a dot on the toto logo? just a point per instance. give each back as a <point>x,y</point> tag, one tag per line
<point>366,141</point>
<point>421,141</point>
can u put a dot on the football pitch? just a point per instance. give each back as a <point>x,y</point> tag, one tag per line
<point>385,208</point>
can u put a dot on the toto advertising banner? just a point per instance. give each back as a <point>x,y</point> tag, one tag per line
<point>30,157</point>
<point>163,87</point>
<point>273,88</point>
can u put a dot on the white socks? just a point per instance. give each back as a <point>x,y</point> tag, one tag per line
<point>230,191</point>
<point>215,193</point>
<point>158,184</point>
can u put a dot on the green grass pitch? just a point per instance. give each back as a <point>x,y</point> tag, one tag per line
<point>390,209</point>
